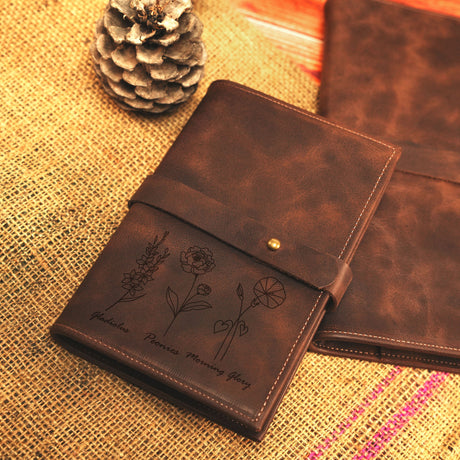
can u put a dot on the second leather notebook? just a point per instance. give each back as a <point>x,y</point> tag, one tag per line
<point>211,289</point>
<point>401,84</point>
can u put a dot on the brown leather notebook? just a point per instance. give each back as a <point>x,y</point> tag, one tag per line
<point>210,291</point>
<point>394,72</point>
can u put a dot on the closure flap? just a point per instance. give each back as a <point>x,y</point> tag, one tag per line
<point>321,271</point>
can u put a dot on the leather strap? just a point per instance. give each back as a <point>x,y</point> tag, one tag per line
<point>321,271</point>
<point>432,162</point>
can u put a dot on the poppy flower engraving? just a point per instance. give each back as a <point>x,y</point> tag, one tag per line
<point>197,260</point>
<point>268,292</point>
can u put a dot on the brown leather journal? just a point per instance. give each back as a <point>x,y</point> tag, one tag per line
<point>394,72</point>
<point>210,291</point>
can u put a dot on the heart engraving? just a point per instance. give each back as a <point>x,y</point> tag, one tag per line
<point>221,326</point>
<point>268,292</point>
<point>243,329</point>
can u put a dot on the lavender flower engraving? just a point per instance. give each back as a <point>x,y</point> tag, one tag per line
<point>268,292</point>
<point>134,282</point>
<point>197,261</point>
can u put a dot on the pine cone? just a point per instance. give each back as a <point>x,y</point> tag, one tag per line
<point>148,53</point>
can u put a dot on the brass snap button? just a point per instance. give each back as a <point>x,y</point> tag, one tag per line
<point>273,244</point>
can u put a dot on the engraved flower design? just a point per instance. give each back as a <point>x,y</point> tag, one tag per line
<point>269,292</point>
<point>134,281</point>
<point>203,289</point>
<point>197,260</point>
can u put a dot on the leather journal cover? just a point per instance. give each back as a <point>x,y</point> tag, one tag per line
<point>210,291</point>
<point>394,72</point>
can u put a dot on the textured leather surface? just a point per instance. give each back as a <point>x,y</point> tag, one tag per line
<point>220,326</point>
<point>401,84</point>
<point>319,270</point>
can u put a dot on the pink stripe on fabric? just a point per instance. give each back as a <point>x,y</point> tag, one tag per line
<point>403,417</point>
<point>327,442</point>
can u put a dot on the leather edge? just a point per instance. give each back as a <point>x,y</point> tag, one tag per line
<point>386,350</point>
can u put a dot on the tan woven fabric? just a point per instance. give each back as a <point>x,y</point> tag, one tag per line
<point>70,159</point>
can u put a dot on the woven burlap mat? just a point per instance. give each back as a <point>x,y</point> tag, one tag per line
<point>70,159</point>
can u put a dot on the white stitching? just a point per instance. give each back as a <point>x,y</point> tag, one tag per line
<point>206,396</point>
<point>307,114</point>
<point>367,202</point>
<point>303,113</point>
<point>388,338</point>
<point>330,347</point>
<point>420,358</point>
<point>385,354</point>
<point>156,371</point>
<point>373,191</point>
<point>289,355</point>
